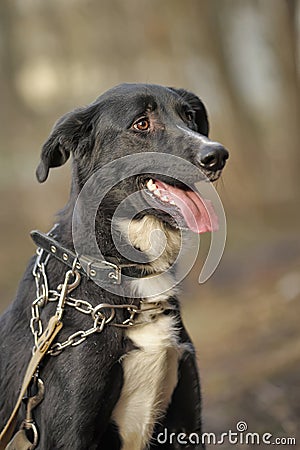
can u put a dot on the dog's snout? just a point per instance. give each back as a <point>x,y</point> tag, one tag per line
<point>213,157</point>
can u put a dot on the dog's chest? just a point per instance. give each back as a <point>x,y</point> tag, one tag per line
<point>150,376</point>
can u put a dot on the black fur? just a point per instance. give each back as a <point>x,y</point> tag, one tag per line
<point>84,383</point>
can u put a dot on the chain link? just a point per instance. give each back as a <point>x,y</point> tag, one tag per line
<point>45,295</point>
<point>80,305</point>
<point>77,338</point>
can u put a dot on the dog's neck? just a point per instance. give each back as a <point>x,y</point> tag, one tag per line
<point>156,242</point>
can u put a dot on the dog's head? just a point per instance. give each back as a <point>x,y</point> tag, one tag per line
<point>133,119</point>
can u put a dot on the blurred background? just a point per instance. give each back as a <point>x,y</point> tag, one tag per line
<point>241,58</point>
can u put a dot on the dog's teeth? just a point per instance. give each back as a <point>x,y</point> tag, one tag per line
<point>172,203</point>
<point>165,199</point>
<point>157,192</point>
<point>151,185</point>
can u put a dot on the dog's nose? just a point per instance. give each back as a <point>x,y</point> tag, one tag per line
<point>213,156</point>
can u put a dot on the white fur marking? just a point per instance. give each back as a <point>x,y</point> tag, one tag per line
<point>150,372</point>
<point>150,377</point>
<point>158,241</point>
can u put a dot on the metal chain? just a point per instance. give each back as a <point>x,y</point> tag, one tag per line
<point>42,295</point>
<point>77,338</point>
<point>61,295</point>
<point>45,295</point>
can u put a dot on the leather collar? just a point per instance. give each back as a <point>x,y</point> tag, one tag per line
<point>109,272</point>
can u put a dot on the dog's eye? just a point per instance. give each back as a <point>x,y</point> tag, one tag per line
<point>142,124</point>
<point>190,115</point>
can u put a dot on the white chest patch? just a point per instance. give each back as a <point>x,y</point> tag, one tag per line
<point>150,377</point>
<point>150,372</point>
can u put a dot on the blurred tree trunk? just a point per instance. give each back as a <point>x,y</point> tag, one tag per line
<point>9,62</point>
<point>287,54</point>
<point>14,109</point>
<point>246,142</point>
<point>254,148</point>
<point>284,40</point>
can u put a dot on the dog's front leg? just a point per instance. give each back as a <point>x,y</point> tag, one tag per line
<point>81,393</point>
<point>181,428</point>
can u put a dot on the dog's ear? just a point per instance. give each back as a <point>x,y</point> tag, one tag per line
<point>55,150</point>
<point>201,119</point>
<point>64,138</point>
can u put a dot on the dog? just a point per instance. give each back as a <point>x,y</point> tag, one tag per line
<point>131,378</point>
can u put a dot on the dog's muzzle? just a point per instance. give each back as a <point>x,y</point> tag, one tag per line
<point>209,156</point>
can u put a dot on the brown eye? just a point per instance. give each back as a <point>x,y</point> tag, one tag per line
<point>142,125</point>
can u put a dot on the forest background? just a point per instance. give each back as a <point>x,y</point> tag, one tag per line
<point>242,58</point>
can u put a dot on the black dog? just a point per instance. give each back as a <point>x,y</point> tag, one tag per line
<point>122,376</point>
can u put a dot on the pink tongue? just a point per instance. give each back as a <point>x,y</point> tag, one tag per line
<point>198,213</point>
